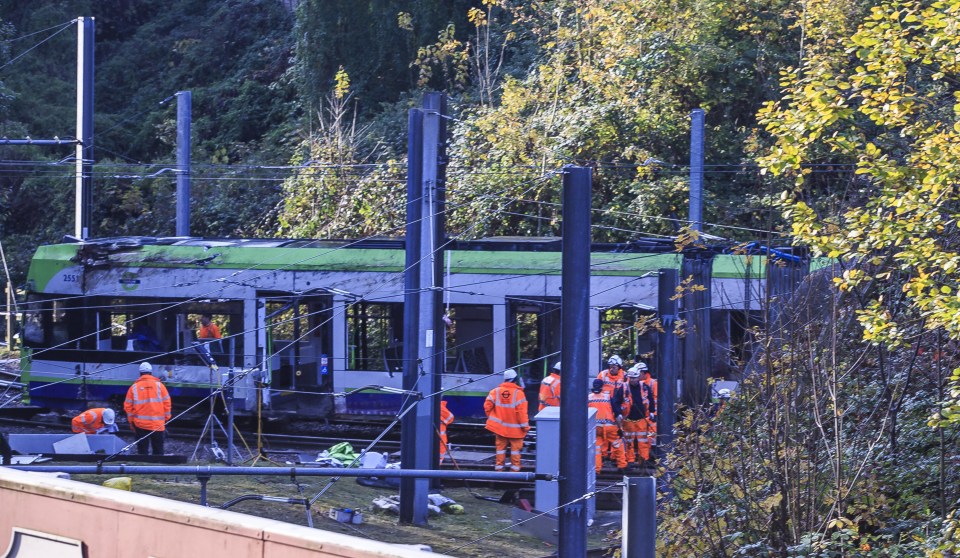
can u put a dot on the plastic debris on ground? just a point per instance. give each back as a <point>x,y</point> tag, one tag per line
<point>324,460</point>
<point>344,453</point>
<point>374,460</point>
<point>120,483</point>
<point>339,455</point>
<point>391,504</point>
<point>446,504</point>
<point>437,504</point>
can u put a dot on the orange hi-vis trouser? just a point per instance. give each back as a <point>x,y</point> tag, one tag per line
<point>443,446</point>
<point>609,439</point>
<point>641,432</point>
<point>516,444</point>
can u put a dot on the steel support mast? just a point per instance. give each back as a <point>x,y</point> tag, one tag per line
<point>575,359</point>
<point>423,357</point>
<point>84,150</point>
<point>184,115</point>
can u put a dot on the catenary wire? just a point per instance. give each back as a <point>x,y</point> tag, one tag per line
<point>62,27</point>
<point>194,299</point>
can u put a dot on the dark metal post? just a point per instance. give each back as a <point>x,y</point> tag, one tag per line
<point>230,400</point>
<point>296,343</point>
<point>698,347</point>
<point>668,361</point>
<point>203,478</point>
<point>9,316</point>
<point>184,115</point>
<point>413,504</point>
<point>639,518</point>
<point>696,169</point>
<point>575,359</point>
<point>435,107</point>
<point>424,258</point>
<point>230,392</point>
<point>84,150</point>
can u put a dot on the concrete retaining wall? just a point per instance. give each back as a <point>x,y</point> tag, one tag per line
<point>117,524</point>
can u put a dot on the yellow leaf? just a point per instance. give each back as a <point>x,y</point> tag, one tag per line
<point>771,502</point>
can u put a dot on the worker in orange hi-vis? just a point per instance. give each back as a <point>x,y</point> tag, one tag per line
<point>550,389</point>
<point>208,329</point>
<point>651,383</point>
<point>637,429</point>
<point>506,409</point>
<point>608,435</point>
<point>613,377</point>
<point>148,408</point>
<point>446,419</point>
<point>615,385</point>
<point>95,421</point>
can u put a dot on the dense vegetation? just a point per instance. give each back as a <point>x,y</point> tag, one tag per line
<point>831,124</point>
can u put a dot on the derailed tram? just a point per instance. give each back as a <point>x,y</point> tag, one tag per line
<point>304,319</point>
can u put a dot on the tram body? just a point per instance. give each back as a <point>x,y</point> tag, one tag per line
<point>301,320</point>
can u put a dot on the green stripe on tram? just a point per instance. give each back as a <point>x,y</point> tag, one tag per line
<point>47,262</point>
<point>52,259</point>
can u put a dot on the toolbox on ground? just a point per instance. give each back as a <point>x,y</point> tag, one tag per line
<point>346,515</point>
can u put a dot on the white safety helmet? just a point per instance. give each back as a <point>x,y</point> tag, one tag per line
<point>557,366</point>
<point>146,368</point>
<point>509,375</point>
<point>109,416</point>
<point>634,371</point>
<point>724,393</point>
<point>615,360</point>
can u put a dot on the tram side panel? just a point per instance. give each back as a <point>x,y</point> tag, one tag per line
<point>486,333</point>
<point>85,344</point>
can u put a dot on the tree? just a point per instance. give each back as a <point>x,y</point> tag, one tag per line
<point>338,190</point>
<point>874,97</point>
<point>883,101</point>
<point>611,87</point>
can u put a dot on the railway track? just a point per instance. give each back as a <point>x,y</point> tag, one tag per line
<point>302,447</point>
<point>271,441</point>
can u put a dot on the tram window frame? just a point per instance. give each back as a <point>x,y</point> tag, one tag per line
<point>381,351</point>
<point>633,348</point>
<point>533,361</point>
<point>296,351</point>
<point>53,323</point>
<point>35,313</point>
<point>474,355</point>
<point>733,339</point>
<point>227,314</point>
<point>60,330</point>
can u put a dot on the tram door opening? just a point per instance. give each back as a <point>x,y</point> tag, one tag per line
<point>629,332</point>
<point>469,338</point>
<point>534,340</point>
<point>298,347</point>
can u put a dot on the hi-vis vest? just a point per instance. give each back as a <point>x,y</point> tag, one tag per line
<point>652,384</point>
<point>88,422</point>
<point>616,388</point>
<point>550,391</point>
<point>148,404</point>
<point>603,403</point>
<point>506,409</point>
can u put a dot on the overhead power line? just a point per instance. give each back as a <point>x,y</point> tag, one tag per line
<point>60,28</point>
